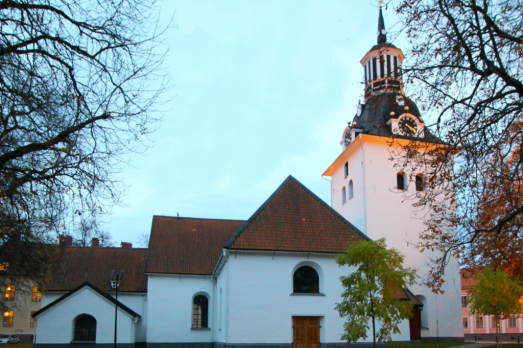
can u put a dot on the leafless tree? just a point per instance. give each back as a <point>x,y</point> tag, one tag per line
<point>79,81</point>
<point>465,69</point>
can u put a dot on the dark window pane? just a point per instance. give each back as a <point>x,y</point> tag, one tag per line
<point>401,181</point>
<point>382,66</point>
<point>200,312</point>
<point>85,329</point>
<point>396,67</point>
<point>374,75</point>
<point>306,280</point>
<point>388,66</point>
<point>419,183</point>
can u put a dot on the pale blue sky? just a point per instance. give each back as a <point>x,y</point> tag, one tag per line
<point>263,89</point>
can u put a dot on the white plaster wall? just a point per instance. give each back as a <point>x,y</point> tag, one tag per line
<point>56,324</point>
<point>135,301</point>
<point>388,216</point>
<point>170,308</point>
<point>260,307</point>
<point>354,209</point>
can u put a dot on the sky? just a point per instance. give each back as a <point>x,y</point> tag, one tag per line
<point>261,90</point>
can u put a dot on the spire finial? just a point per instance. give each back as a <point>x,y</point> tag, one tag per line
<point>382,34</point>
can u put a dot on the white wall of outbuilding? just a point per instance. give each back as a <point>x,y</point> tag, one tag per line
<point>55,325</point>
<point>135,301</point>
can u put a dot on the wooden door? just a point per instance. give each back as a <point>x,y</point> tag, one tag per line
<point>415,324</point>
<point>306,332</point>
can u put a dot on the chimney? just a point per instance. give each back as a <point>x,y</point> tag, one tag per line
<point>65,240</point>
<point>95,242</point>
<point>126,245</point>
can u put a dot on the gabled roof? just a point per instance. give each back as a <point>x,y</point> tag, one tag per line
<point>95,289</point>
<point>180,245</point>
<point>77,265</point>
<point>295,219</point>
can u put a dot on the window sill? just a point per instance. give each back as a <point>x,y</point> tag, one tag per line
<point>307,294</point>
<point>83,342</point>
<point>201,328</point>
<point>424,328</point>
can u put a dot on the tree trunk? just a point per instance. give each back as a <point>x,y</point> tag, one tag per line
<point>373,332</point>
<point>497,331</point>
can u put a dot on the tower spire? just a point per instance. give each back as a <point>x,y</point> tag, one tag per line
<point>382,34</point>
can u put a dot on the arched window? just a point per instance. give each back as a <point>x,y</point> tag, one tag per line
<point>400,178</point>
<point>420,182</point>
<point>84,328</point>
<point>351,190</point>
<point>306,280</point>
<point>343,195</point>
<point>200,311</point>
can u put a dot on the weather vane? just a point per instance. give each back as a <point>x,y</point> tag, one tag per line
<point>380,3</point>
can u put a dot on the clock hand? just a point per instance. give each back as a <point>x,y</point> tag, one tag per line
<point>411,128</point>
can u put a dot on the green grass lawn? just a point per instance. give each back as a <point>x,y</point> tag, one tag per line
<point>426,344</point>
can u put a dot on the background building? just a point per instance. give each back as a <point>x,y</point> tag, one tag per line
<point>483,328</point>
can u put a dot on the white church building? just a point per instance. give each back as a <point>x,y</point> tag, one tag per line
<point>270,281</point>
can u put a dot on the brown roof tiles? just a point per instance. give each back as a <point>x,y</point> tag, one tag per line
<point>295,219</point>
<point>76,265</point>
<point>187,245</point>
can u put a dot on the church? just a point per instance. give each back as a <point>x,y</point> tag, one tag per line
<point>272,280</point>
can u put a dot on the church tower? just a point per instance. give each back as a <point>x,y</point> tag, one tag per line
<point>369,191</point>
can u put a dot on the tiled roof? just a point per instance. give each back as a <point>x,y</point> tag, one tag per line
<point>180,245</point>
<point>77,265</point>
<point>408,295</point>
<point>295,219</point>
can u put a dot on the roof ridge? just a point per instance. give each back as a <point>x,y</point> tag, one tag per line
<point>257,212</point>
<point>195,218</point>
<point>99,248</point>
<point>94,288</point>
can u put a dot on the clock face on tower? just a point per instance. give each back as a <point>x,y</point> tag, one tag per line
<point>408,126</point>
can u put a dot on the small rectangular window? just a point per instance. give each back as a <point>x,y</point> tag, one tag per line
<point>37,296</point>
<point>396,73</point>
<point>374,66</point>
<point>4,266</point>
<point>10,293</point>
<point>513,321</point>
<point>32,322</point>
<point>346,169</point>
<point>365,73</point>
<point>8,318</point>
<point>463,301</point>
<point>465,322</point>
<point>388,66</point>
<point>479,322</point>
